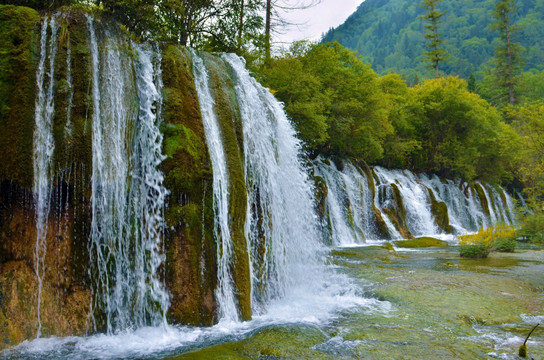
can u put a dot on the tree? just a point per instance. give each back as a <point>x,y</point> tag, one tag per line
<point>436,54</point>
<point>459,132</point>
<point>333,99</point>
<point>508,60</point>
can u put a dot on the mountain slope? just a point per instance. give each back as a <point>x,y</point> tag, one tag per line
<point>390,36</point>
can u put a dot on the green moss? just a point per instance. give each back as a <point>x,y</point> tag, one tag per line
<point>231,132</point>
<point>397,213</point>
<point>72,126</point>
<point>422,242</point>
<point>439,210</point>
<point>190,247</point>
<point>288,342</point>
<point>483,199</point>
<point>321,192</point>
<point>19,42</point>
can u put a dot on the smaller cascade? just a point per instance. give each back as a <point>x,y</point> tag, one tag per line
<point>490,204</point>
<point>44,147</point>
<point>226,288</point>
<point>406,202</point>
<point>338,205</point>
<point>349,202</point>
<point>68,127</point>
<point>415,197</point>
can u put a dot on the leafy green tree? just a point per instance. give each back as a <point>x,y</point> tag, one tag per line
<point>435,53</point>
<point>528,121</point>
<point>333,99</point>
<point>401,144</point>
<point>460,133</point>
<point>38,4</point>
<point>508,59</point>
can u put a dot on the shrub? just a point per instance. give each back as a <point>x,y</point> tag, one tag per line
<point>505,245</point>
<point>532,227</point>
<point>474,251</point>
<point>499,238</point>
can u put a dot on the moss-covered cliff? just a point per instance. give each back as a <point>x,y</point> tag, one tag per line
<point>190,247</point>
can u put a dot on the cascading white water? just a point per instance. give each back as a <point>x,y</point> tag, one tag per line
<point>225,291</point>
<point>126,150</point>
<point>492,213</point>
<point>349,202</point>
<point>148,193</point>
<point>346,189</point>
<point>280,196</point>
<point>415,197</point>
<point>464,211</point>
<point>68,127</point>
<point>338,205</point>
<point>44,147</point>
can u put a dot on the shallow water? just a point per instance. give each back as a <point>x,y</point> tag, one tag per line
<point>378,304</point>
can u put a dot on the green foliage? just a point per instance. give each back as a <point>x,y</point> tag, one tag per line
<point>435,53</point>
<point>531,226</point>
<point>460,133</point>
<point>505,245</point>
<point>476,251</point>
<point>38,4</point>
<point>508,59</point>
<point>333,99</point>
<point>528,121</point>
<point>499,238</point>
<point>389,35</point>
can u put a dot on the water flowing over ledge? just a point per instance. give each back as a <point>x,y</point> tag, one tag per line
<point>153,208</point>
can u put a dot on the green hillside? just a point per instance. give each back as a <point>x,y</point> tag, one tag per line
<point>389,35</point>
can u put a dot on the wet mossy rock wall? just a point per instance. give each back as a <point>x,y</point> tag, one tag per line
<point>190,268</point>
<point>65,295</point>
<point>190,248</point>
<point>230,125</point>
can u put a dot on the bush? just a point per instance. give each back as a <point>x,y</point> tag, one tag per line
<point>474,251</point>
<point>532,227</point>
<point>505,245</point>
<point>499,238</point>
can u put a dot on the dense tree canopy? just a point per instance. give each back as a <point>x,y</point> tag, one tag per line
<point>389,35</point>
<point>342,108</point>
<point>332,98</point>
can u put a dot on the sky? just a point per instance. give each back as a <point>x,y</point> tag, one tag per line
<point>317,20</point>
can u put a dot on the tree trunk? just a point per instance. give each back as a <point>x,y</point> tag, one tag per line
<point>240,25</point>
<point>267,28</point>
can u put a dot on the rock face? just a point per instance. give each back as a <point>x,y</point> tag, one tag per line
<point>65,298</point>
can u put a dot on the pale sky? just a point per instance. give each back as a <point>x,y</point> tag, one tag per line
<point>317,20</point>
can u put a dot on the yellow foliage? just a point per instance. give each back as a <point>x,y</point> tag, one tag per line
<point>488,236</point>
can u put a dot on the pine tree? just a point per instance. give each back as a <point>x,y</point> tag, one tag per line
<point>436,54</point>
<point>508,54</point>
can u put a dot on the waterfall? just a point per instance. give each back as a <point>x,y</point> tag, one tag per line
<point>126,230</point>
<point>148,192</point>
<point>44,147</point>
<point>352,221</point>
<point>349,203</point>
<point>281,227</point>
<point>225,291</point>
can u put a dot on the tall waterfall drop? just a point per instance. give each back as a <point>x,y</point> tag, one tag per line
<point>44,147</point>
<point>281,226</point>
<point>225,292</point>
<point>126,230</point>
